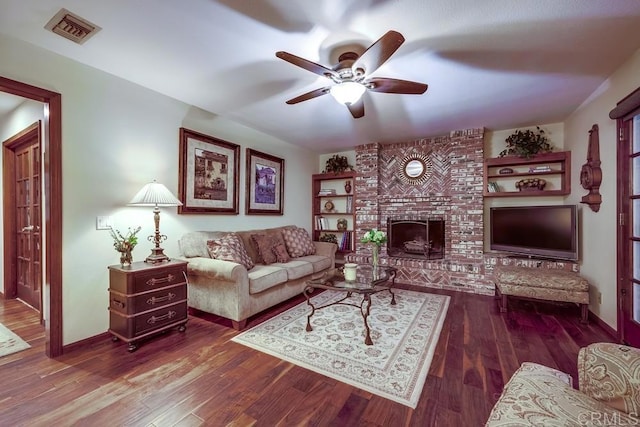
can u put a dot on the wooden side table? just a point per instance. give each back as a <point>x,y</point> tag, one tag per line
<point>145,299</point>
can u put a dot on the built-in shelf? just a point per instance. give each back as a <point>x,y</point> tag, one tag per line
<point>557,178</point>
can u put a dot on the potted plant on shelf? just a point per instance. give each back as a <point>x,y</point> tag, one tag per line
<point>337,164</point>
<point>527,143</point>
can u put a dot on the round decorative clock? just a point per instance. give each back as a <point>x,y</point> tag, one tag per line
<point>329,206</point>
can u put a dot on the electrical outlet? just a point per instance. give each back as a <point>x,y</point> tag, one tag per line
<point>103,222</point>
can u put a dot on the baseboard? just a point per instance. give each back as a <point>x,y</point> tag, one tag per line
<point>87,342</point>
<point>608,329</point>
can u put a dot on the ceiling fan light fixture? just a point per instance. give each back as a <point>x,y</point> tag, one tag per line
<point>347,92</point>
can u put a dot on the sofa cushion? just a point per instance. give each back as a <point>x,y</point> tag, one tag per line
<point>280,251</point>
<point>319,262</point>
<point>194,244</point>
<point>298,242</point>
<point>297,268</point>
<point>230,248</point>
<point>264,244</point>
<point>248,241</point>
<point>263,277</point>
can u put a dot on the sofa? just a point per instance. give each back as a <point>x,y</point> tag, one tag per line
<point>238,274</point>
<point>609,392</point>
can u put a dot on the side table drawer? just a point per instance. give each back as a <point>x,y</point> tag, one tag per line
<point>132,326</point>
<point>158,279</point>
<point>137,303</point>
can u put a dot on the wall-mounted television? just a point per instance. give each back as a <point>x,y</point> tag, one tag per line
<point>535,231</point>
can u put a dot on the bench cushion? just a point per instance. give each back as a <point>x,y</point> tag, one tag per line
<point>541,278</point>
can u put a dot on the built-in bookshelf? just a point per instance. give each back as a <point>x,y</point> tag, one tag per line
<point>333,210</point>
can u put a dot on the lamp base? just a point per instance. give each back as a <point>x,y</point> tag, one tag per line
<point>157,255</point>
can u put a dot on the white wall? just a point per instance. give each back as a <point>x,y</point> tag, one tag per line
<point>599,228</point>
<point>117,136</point>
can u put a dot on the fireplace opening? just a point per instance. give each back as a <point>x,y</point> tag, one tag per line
<point>416,238</point>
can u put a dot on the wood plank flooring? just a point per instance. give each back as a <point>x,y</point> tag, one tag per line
<point>200,378</point>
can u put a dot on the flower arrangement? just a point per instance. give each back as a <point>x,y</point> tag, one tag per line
<point>374,236</point>
<point>125,243</point>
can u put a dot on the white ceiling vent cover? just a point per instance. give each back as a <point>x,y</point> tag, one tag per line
<point>72,27</point>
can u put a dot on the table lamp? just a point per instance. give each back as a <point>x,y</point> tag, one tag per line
<point>156,195</point>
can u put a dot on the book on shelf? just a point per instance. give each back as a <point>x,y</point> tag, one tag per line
<point>492,187</point>
<point>327,192</point>
<point>349,203</point>
<point>544,168</point>
<point>322,223</point>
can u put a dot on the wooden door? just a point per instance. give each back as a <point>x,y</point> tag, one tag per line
<point>22,190</point>
<point>629,230</point>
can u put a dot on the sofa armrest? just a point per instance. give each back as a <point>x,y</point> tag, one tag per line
<point>326,249</point>
<point>216,269</point>
<point>610,373</point>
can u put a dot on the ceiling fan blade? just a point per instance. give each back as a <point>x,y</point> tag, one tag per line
<point>356,109</point>
<point>376,54</point>
<point>386,85</point>
<point>306,64</point>
<point>309,95</point>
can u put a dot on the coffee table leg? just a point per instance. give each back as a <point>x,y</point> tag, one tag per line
<point>393,297</point>
<point>365,314</point>
<point>306,293</point>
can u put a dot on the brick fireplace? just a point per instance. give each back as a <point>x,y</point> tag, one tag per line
<point>453,192</point>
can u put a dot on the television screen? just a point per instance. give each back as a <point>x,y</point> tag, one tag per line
<point>536,231</point>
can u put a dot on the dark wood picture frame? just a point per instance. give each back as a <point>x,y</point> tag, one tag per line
<point>209,174</point>
<point>264,184</point>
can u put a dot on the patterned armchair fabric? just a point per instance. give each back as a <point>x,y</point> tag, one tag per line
<point>537,395</point>
<point>610,373</point>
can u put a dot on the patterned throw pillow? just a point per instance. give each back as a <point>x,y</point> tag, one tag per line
<point>298,242</point>
<point>264,244</point>
<point>230,248</point>
<point>281,253</point>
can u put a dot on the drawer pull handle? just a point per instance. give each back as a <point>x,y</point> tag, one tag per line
<point>156,300</point>
<point>153,319</point>
<point>153,281</point>
<point>117,303</point>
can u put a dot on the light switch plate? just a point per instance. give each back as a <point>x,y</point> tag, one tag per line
<point>103,222</point>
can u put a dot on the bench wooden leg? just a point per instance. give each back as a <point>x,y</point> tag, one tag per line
<point>584,318</point>
<point>502,300</point>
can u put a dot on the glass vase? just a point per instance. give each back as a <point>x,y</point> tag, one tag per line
<point>375,252</point>
<point>125,257</point>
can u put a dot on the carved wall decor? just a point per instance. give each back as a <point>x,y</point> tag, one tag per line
<point>591,174</point>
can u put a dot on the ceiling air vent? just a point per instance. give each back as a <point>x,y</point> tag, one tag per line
<point>71,26</point>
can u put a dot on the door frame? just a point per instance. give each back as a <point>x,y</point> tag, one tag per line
<point>33,131</point>
<point>52,198</point>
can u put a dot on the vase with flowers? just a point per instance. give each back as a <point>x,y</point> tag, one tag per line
<point>377,238</point>
<point>124,243</point>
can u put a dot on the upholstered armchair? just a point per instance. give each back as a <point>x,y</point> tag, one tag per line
<point>609,392</point>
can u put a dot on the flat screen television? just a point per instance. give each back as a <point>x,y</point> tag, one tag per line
<point>535,231</point>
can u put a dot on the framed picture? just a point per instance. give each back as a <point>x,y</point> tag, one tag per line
<point>265,184</point>
<point>209,174</point>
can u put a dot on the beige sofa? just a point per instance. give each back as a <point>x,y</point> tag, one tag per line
<point>231,290</point>
<point>609,392</point>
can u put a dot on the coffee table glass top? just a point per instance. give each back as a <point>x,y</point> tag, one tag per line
<point>368,277</point>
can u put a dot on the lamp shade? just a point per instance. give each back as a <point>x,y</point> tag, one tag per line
<point>154,194</point>
<point>347,92</point>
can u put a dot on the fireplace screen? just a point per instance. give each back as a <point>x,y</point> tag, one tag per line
<point>416,238</point>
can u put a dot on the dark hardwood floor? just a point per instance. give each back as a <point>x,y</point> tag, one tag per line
<point>201,378</point>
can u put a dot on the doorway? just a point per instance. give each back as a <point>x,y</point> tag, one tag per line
<point>52,208</point>
<point>21,170</point>
<point>627,114</point>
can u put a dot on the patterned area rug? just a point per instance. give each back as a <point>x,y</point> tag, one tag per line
<point>394,367</point>
<point>10,342</point>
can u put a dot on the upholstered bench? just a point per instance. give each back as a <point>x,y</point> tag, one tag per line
<point>542,284</point>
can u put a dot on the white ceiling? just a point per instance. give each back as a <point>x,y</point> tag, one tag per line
<point>498,64</point>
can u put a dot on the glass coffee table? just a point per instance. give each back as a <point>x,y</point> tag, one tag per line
<point>369,280</point>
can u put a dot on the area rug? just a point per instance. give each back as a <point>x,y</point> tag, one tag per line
<point>394,367</point>
<point>10,342</point>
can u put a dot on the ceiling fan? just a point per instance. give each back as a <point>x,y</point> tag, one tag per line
<point>350,76</point>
